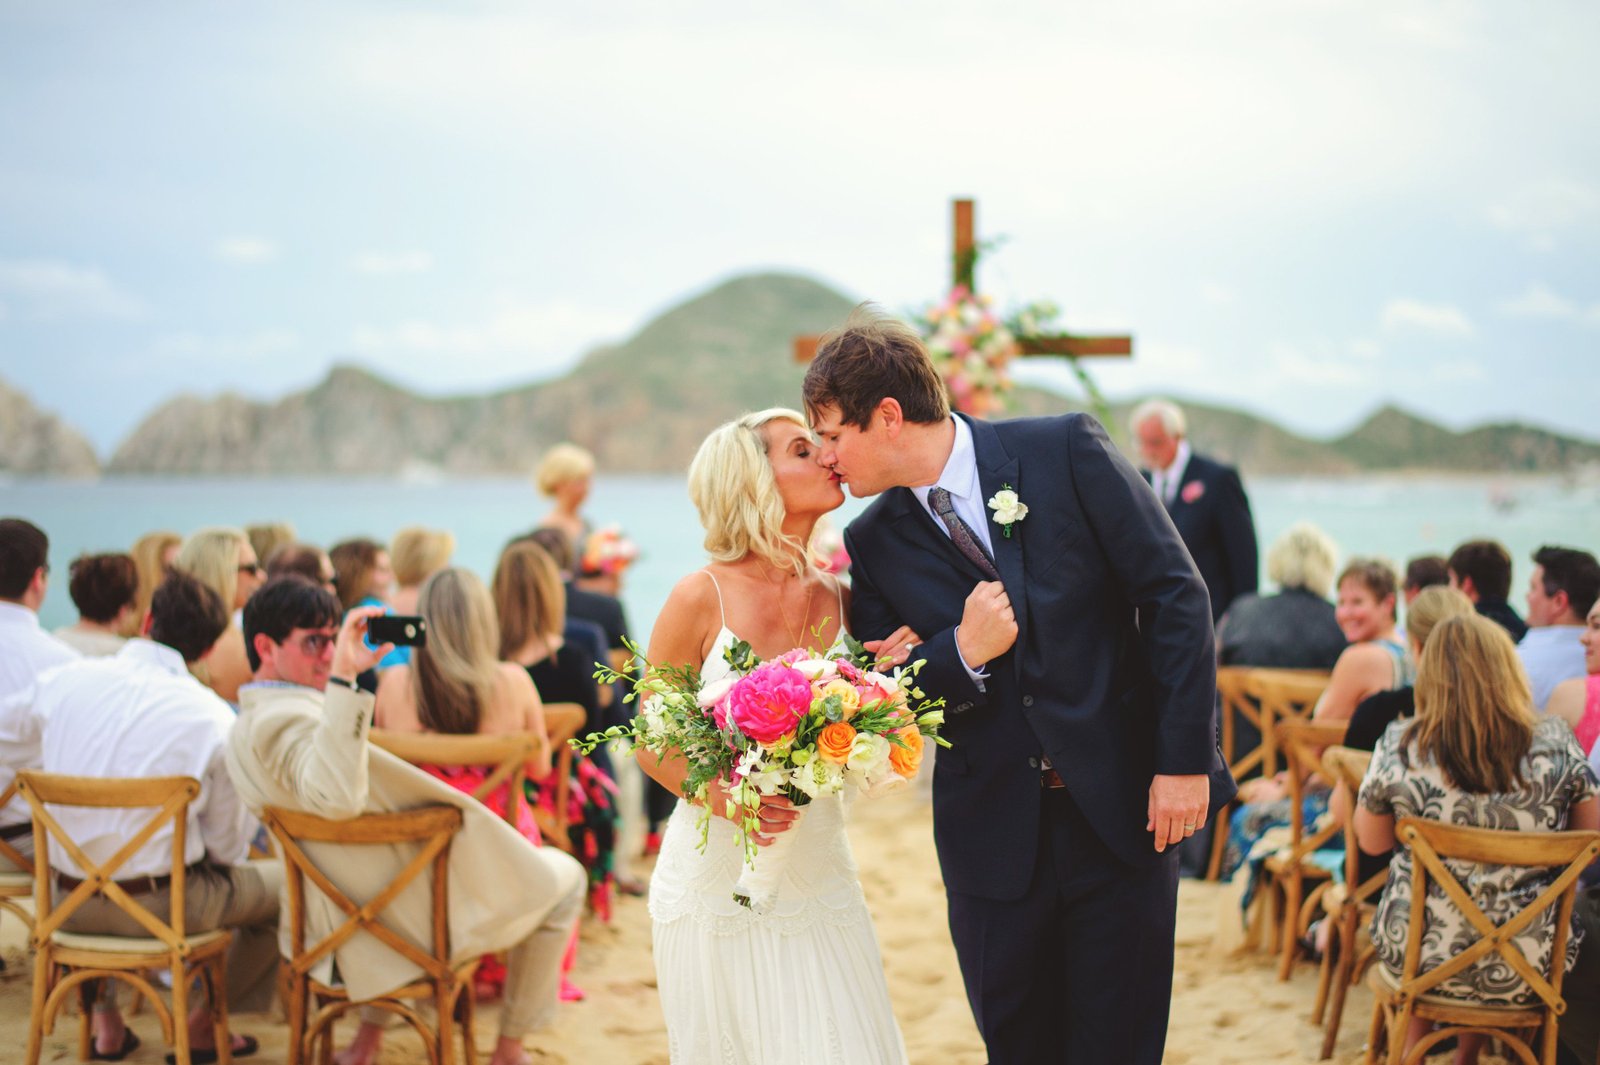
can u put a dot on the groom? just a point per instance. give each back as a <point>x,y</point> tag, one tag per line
<point>1073,647</point>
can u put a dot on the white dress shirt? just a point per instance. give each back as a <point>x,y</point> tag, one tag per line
<point>960,478</point>
<point>1551,654</point>
<point>1165,482</point>
<point>26,651</point>
<point>141,714</point>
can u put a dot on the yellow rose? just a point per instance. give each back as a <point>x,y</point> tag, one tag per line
<point>906,760</point>
<point>849,698</point>
<point>834,742</point>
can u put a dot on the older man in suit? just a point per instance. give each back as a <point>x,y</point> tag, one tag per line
<point>298,748</point>
<point>1205,500</point>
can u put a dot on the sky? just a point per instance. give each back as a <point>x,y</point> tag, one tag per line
<point>1306,208</point>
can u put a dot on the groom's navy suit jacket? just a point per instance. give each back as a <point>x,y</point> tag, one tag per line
<point>1113,673</point>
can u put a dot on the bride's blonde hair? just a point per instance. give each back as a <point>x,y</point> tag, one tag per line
<point>733,487</point>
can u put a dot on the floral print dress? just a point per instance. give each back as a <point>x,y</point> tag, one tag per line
<point>1556,776</point>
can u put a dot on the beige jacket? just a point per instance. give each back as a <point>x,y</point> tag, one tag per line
<point>295,748</point>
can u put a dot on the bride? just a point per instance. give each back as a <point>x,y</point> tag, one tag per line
<point>802,983</point>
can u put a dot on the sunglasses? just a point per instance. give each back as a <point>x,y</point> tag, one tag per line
<point>314,643</point>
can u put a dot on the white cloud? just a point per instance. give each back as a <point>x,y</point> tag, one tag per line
<point>1365,350</point>
<point>1440,318</point>
<point>1323,365</point>
<point>1459,370</point>
<point>1540,211</point>
<point>50,289</point>
<point>246,251</point>
<point>191,345</point>
<point>549,333</point>
<point>405,262</point>
<point>1537,302</point>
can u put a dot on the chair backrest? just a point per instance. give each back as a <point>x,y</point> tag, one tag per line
<point>563,721</point>
<point>1303,744</point>
<point>1234,705</point>
<point>1284,696</point>
<point>1431,842</point>
<point>168,796</point>
<point>506,755</point>
<point>431,827</point>
<point>7,851</point>
<point>1348,766</point>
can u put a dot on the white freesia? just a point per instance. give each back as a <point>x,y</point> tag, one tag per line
<point>715,692</point>
<point>1007,507</point>
<point>768,780</point>
<point>867,753</point>
<point>816,669</point>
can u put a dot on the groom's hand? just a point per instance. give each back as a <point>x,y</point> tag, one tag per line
<point>988,625</point>
<point>893,649</point>
<point>1177,807</point>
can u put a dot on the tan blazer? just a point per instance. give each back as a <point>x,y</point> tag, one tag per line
<point>295,748</point>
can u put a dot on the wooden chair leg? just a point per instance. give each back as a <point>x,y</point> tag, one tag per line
<point>180,1015</point>
<point>294,1005</point>
<point>1219,841</point>
<point>1344,974</point>
<point>41,990</point>
<point>1292,889</point>
<point>86,995</point>
<point>469,1033</point>
<point>216,982</point>
<point>1325,971</point>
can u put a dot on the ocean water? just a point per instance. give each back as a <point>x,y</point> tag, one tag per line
<point>1397,517</point>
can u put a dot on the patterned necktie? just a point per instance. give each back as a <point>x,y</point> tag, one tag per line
<point>966,540</point>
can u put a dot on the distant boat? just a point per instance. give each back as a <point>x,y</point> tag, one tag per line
<point>1502,499</point>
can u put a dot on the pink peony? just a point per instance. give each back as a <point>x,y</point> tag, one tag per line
<point>848,670</point>
<point>767,705</point>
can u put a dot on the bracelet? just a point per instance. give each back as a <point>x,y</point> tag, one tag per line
<point>344,683</point>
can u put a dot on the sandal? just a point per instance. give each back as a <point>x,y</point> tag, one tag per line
<point>130,1043</point>
<point>208,1055</point>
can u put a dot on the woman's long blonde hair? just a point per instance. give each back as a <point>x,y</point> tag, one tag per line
<point>528,596</point>
<point>212,557</point>
<point>1474,706</point>
<point>453,674</point>
<point>147,552</point>
<point>733,487</point>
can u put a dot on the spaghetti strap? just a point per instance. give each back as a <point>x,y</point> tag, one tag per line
<point>720,608</point>
<point>838,597</point>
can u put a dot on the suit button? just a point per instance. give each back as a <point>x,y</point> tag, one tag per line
<point>963,707</point>
<point>1027,700</point>
<point>1033,763</point>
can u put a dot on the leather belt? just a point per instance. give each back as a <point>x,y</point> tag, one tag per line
<point>135,885</point>
<point>16,831</point>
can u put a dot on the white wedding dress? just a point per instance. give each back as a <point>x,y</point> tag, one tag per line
<point>801,984</point>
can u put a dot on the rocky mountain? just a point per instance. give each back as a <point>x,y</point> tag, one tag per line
<point>36,442</point>
<point>643,406</point>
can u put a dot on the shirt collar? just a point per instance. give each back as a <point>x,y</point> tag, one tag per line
<point>960,474</point>
<point>150,653</point>
<point>1180,461</point>
<point>17,614</point>
<point>268,685</point>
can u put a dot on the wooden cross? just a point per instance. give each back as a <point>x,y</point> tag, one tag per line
<point>963,262</point>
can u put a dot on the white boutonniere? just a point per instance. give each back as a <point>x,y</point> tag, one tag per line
<point>1008,509</point>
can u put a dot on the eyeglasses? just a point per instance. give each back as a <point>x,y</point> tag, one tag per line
<point>314,643</point>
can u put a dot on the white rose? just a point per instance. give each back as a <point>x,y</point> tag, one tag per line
<point>816,669</point>
<point>1007,507</point>
<point>713,693</point>
<point>867,753</point>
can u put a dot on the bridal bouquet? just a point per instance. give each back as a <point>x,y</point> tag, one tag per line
<point>802,725</point>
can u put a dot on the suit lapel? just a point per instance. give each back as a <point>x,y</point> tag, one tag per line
<point>915,525</point>
<point>996,468</point>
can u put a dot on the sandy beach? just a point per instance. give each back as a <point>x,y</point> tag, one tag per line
<point>1225,1009</point>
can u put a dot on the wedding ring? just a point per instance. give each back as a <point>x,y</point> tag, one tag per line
<point>1188,827</point>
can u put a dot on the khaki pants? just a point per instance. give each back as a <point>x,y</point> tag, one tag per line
<point>242,898</point>
<point>23,845</point>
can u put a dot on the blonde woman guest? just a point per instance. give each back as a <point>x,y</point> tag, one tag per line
<point>154,554</point>
<point>1374,713</point>
<point>1476,755</point>
<point>564,475</point>
<point>267,537</point>
<point>1577,701</point>
<point>104,588</point>
<point>362,574</point>
<point>416,554</point>
<point>222,559</point>
<point>739,986</point>
<point>1294,628</point>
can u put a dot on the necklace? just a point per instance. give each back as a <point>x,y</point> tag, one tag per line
<point>804,617</point>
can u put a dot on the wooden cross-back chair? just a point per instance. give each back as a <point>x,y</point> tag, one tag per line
<point>505,755</point>
<point>562,721</point>
<point>14,883</point>
<point>1349,906</point>
<point>1291,869</point>
<point>66,961</point>
<point>1397,1002</point>
<point>1284,696</point>
<point>432,828</point>
<point>1234,704</point>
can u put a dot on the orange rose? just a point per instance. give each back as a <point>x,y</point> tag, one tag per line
<point>834,742</point>
<point>906,760</point>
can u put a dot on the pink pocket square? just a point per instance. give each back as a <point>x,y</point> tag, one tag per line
<point>1193,491</point>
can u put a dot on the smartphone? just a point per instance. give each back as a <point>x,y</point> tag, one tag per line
<point>402,630</point>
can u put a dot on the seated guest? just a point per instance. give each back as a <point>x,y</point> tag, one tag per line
<point>302,560</point>
<point>1295,627</point>
<point>267,537</point>
<point>598,608</point>
<point>154,553</point>
<point>564,475</point>
<point>1476,754</point>
<point>29,651</point>
<point>1481,570</point>
<point>1424,571</point>
<point>1564,585</point>
<point>1577,701</point>
<point>225,562</point>
<point>1374,713</point>
<point>105,590</point>
<point>294,746</point>
<point>141,714</point>
<point>417,554</point>
<point>531,604</point>
<point>362,573</point>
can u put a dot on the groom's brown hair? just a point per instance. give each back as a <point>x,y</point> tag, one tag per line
<point>870,358</point>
